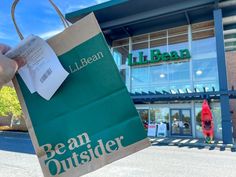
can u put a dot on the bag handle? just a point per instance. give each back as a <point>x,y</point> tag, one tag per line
<point>13,7</point>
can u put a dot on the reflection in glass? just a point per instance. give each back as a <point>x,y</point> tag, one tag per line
<point>203,34</point>
<point>139,76</point>
<point>205,69</point>
<point>181,122</point>
<point>172,76</point>
<point>143,113</point>
<point>198,111</point>
<point>120,55</point>
<point>177,47</point>
<point>208,85</point>
<point>158,35</point>
<point>158,115</point>
<point>180,87</point>
<point>216,113</point>
<point>120,42</point>
<point>178,31</point>
<point>140,89</point>
<point>140,38</point>
<point>204,48</point>
<point>175,120</point>
<point>140,49</point>
<point>160,44</point>
<point>159,88</point>
<point>186,119</point>
<point>124,75</point>
<point>179,71</point>
<point>159,74</point>
<point>196,27</point>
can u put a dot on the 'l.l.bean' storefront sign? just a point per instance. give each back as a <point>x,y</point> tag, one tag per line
<point>157,56</point>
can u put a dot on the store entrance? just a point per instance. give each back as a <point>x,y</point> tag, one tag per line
<point>143,113</point>
<point>181,122</point>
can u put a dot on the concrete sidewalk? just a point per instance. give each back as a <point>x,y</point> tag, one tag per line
<point>192,142</point>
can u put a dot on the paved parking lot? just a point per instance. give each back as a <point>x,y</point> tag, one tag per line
<point>17,159</point>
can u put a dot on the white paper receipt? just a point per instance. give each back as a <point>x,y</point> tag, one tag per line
<point>43,72</point>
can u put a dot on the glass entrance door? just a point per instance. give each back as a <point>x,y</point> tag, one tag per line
<point>181,122</point>
<point>143,113</point>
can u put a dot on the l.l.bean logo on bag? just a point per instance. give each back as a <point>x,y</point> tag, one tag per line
<point>78,65</point>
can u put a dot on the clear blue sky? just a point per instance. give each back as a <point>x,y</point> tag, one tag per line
<point>36,17</point>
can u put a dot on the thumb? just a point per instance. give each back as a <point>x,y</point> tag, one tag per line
<point>20,61</point>
<point>4,48</point>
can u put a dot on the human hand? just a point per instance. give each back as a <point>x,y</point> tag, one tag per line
<point>4,48</point>
<point>19,61</point>
<point>8,67</point>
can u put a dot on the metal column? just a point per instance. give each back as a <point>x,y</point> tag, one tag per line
<point>224,98</point>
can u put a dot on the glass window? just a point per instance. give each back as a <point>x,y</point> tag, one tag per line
<point>140,46</point>
<point>202,26</point>
<point>179,71</point>
<point>172,76</point>
<point>205,69</point>
<point>124,75</point>
<point>204,48</point>
<point>180,87</point>
<point>159,74</point>
<point>139,76</point>
<point>209,85</point>
<point>120,55</point>
<point>203,34</point>
<point>178,31</point>
<point>140,51</point>
<point>178,47</point>
<point>158,35</point>
<point>140,89</point>
<point>178,39</point>
<point>120,42</point>
<point>159,87</point>
<point>160,44</point>
<point>216,113</point>
<point>159,78</point>
<point>143,113</point>
<point>140,38</point>
<point>198,112</point>
<point>158,115</point>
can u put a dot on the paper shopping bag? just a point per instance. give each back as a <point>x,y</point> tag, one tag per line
<point>91,120</point>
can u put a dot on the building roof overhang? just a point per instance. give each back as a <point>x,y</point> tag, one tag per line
<point>152,97</point>
<point>123,18</point>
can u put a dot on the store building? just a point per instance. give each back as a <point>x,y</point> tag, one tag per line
<point>172,54</point>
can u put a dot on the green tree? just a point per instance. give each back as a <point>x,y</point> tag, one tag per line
<point>9,103</point>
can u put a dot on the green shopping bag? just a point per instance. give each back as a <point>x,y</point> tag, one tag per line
<point>91,120</point>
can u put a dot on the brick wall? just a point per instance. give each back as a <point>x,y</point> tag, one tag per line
<point>231,77</point>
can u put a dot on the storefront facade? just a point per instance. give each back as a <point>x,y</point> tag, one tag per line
<point>173,60</point>
<point>199,72</point>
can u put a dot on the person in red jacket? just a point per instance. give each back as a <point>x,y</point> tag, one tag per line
<point>8,67</point>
